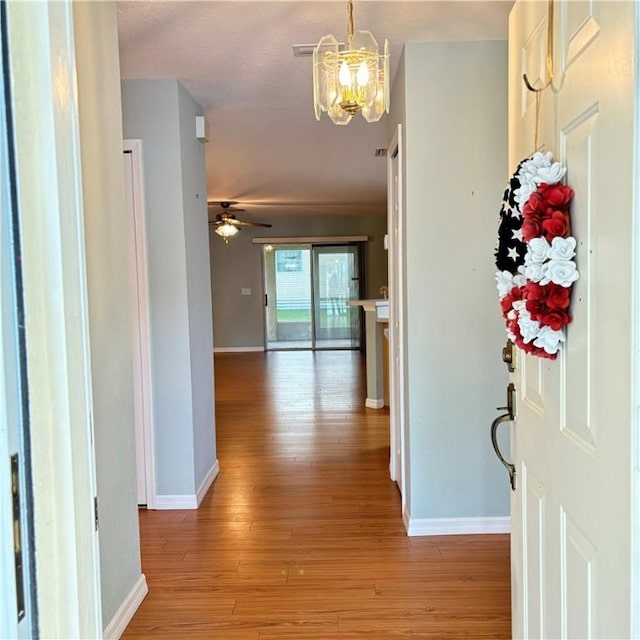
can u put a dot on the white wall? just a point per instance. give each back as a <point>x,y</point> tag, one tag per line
<point>452,101</point>
<point>162,114</point>
<point>106,250</point>
<point>239,320</point>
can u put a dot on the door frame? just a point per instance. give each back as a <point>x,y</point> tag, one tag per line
<point>141,325</point>
<point>49,189</point>
<point>397,289</point>
<point>635,361</point>
<point>14,419</point>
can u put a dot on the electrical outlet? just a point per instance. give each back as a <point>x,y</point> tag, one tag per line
<point>245,291</point>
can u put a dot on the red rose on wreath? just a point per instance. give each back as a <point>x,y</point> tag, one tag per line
<point>557,196</point>
<point>531,228</point>
<point>557,224</point>
<point>558,297</point>
<point>555,318</point>
<point>535,206</point>
<point>543,300</point>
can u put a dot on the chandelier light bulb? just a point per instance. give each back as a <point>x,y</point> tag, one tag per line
<point>363,74</point>
<point>345,74</point>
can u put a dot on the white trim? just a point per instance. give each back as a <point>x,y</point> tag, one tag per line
<point>207,481</point>
<point>374,403</point>
<point>396,263</point>
<point>46,126</point>
<point>635,359</point>
<point>457,526</point>
<point>127,609</point>
<point>310,240</point>
<point>188,500</point>
<point>143,317</point>
<point>176,502</point>
<point>236,349</point>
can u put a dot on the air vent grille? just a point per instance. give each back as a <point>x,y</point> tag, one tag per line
<point>306,50</point>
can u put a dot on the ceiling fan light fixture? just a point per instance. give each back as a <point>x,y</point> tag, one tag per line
<point>351,80</point>
<point>226,230</point>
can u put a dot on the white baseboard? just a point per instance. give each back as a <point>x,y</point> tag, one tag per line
<point>188,500</point>
<point>374,404</point>
<point>179,501</point>
<point>207,481</point>
<point>236,349</point>
<point>456,526</point>
<point>127,609</point>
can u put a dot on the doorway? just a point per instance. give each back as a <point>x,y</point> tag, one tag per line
<point>140,324</point>
<point>307,291</point>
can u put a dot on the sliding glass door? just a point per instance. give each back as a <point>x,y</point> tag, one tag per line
<point>307,289</point>
<point>336,280</point>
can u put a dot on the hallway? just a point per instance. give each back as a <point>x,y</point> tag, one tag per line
<point>301,537</point>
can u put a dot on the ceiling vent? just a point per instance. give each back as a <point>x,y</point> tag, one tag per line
<point>381,152</point>
<point>306,50</point>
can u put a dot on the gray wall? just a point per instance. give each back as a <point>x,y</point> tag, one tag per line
<point>162,114</point>
<point>452,101</point>
<point>198,284</point>
<point>106,233</point>
<point>238,320</point>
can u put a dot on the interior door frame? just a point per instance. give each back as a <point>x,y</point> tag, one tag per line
<point>635,360</point>
<point>397,290</point>
<point>49,189</point>
<point>19,618</point>
<point>141,325</point>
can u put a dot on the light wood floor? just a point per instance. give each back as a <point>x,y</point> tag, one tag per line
<point>301,535</point>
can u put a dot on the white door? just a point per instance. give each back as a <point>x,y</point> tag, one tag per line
<point>395,247</point>
<point>140,324</point>
<point>572,439</point>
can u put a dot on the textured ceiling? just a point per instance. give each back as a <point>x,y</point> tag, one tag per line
<point>265,147</point>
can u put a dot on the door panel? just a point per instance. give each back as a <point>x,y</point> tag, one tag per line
<point>288,303</point>
<point>336,279</point>
<point>572,436</point>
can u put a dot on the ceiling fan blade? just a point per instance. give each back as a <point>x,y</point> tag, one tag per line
<point>242,223</point>
<point>225,204</point>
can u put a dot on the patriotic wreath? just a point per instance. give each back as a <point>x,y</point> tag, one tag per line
<point>535,256</point>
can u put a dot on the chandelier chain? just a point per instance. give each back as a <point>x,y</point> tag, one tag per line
<point>350,11</point>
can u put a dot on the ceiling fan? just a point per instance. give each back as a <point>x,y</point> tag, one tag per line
<point>226,224</point>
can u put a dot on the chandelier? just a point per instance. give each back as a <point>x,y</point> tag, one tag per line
<point>351,80</point>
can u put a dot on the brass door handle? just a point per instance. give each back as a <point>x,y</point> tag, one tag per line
<point>505,417</point>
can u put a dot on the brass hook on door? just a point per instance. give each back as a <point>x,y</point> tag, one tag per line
<point>549,79</point>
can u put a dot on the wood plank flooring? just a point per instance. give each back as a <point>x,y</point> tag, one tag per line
<point>300,537</point>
